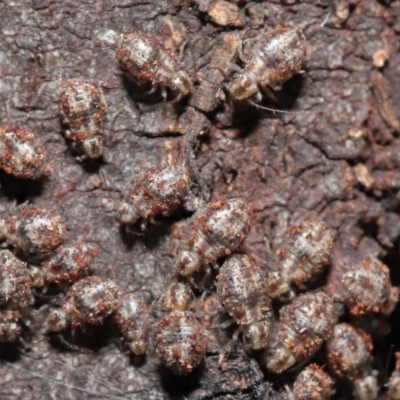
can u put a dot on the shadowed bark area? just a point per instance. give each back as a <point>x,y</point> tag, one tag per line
<point>337,156</point>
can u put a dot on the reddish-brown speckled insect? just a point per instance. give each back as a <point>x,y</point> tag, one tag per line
<point>68,264</point>
<point>367,289</point>
<point>215,231</point>
<point>275,58</point>
<point>157,192</point>
<point>211,312</point>
<point>22,154</point>
<point>162,190</point>
<point>301,257</point>
<point>303,326</point>
<point>146,59</point>
<point>181,339</point>
<point>243,292</point>
<point>81,107</point>
<point>313,383</point>
<point>89,301</point>
<point>394,381</point>
<point>132,319</point>
<point>15,281</point>
<point>10,327</point>
<point>15,295</point>
<point>33,230</point>
<point>349,357</point>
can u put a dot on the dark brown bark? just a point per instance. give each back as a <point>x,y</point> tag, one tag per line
<point>287,166</point>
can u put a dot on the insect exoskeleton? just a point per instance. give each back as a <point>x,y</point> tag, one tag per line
<point>367,289</point>
<point>213,232</point>
<point>243,291</point>
<point>132,319</point>
<point>10,327</point>
<point>303,326</point>
<point>349,357</point>
<point>68,264</point>
<point>276,56</point>
<point>212,316</point>
<point>33,230</point>
<point>157,192</point>
<point>146,59</point>
<point>181,339</point>
<point>89,301</point>
<point>393,385</point>
<point>15,281</point>
<point>302,255</point>
<point>81,108</point>
<point>313,383</point>
<point>22,154</point>
<point>15,295</point>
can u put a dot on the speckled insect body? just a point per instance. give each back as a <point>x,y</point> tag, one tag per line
<point>22,154</point>
<point>89,301</point>
<point>243,292</point>
<point>33,231</point>
<point>181,339</point>
<point>275,58</point>
<point>393,385</point>
<point>68,264</point>
<point>132,320</point>
<point>349,357</point>
<point>81,108</point>
<point>10,326</point>
<point>303,326</point>
<point>313,383</point>
<point>301,257</point>
<point>15,295</point>
<point>215,231</point>
<point>15,280</point>
<point>146,59</point>
<point>158,192</point>
<point>212,316</point>
<point>367,289</point>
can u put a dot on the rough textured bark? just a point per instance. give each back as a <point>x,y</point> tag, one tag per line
<point>336,157</point>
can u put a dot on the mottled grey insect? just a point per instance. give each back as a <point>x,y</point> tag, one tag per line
<point>302,255</point>
<point>366,288</point>
<point>144,56</point>
<point>33,230</point>
<point>82,107</point>
<point>303,326</point>
<point>393,385</point>
<point>276,56</point>
<point>313,383</point>
<point>157,192</point>
<point>15,295</point>
<point>68,264</point>
<point>181,340</point>
<point>132,319</point>
<point>215,231</point>
<point>89,301</point>
<point>22,154</point>
<point>242,289</point>
<point>349,357</point>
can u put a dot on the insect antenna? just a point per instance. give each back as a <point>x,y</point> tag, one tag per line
<point>71,346</point>
<point>273,110</point>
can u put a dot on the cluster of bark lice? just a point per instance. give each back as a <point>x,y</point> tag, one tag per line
<point>276,57</point>
<point>278,313</point>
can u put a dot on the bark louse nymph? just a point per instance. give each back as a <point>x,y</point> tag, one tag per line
<point>181,340</point>
<point>82,106</point>
<point>22,154</point>
<point>213,232</point>
<point>276,57</point>
<point>146,59</point>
